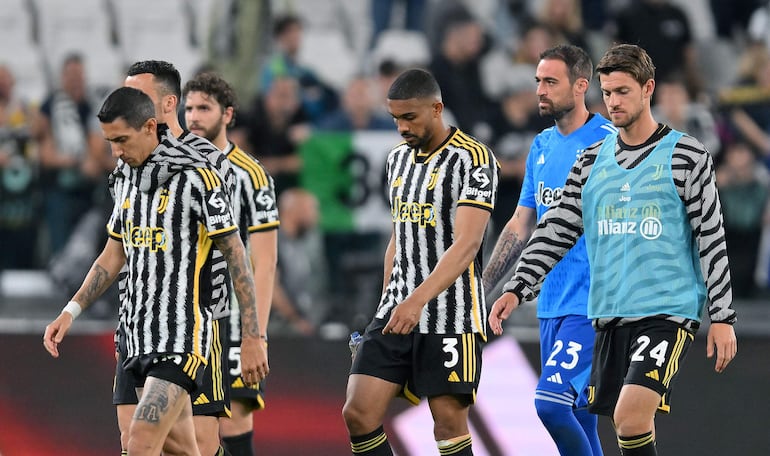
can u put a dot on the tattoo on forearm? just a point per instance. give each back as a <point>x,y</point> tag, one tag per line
<point>243,283</point>
<point>158,398</point>
<point>506,252</point>
<point>99,280</point>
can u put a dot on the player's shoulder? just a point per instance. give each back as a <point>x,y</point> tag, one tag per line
<point>469,147</point>
<point>247,167</point>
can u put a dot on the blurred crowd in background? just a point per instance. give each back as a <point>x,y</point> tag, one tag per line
<point>310,69</point>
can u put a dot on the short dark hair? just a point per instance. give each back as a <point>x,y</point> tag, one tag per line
<point>414,83</point>
<point>132,105</point>
<point>578,62</point>
<point>630,59</point>
<point>283,23</point>
<point>214,86</point>
<point>164,73</point>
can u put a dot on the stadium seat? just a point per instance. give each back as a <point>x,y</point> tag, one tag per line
<point>404,47</point>
<point>151,29</point>
<point>83,27</point>
<point>327,53</point>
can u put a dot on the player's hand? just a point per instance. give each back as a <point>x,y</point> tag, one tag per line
<point>501,310</point>
<point>55,332</point>
<point>254,366</point>
<point>721,339</point>
<point>404,317</point>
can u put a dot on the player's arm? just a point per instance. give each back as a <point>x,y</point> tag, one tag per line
<point>263,252</point>
<point>470,224</point>
<point>254,365</point>
<point>509,245</point>
<point>390,255</point>
<point>101,275</point>
<point>704,210</point>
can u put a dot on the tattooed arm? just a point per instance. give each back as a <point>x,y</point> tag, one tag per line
<point>509,245</point>
<point>103,272</point>
<point>254,365</point>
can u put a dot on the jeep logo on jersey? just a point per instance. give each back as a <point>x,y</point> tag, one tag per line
<point>153,238</point>
<point>480,175</point>
<point>421,213</point>
<point>547,195</point>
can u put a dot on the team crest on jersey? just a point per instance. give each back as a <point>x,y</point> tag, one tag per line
<point>433,179</point>
<point>163,203</point>
<point>658,172</point>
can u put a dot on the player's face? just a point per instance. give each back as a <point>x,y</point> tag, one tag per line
<point>555,93</point>
<point>204,116</point>
<point>146,83</point>
<point>129,144</point>
<point>415,118</point>
<point>625,99</point>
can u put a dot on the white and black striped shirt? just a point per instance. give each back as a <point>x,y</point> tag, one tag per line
<point>255,210</point>
<point>425,191</point>
<point>693,173</point>
<point>166,214</point>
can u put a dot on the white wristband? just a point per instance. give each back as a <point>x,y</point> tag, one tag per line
<point>72,308</point>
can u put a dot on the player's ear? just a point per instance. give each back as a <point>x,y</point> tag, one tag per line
<point>438,108</point>
<point>151,126</point>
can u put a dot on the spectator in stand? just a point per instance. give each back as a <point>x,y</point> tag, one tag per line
<point>273,130</point>
<point>358,110</point>
<point>748,103</point>
<point>663,29</point>
<point>514,126</point>
<point>565,18</point>
<point>455,65</point>
<point>300,293</point>
<point>674,107</point>
<point>70,152</point>
<point>19,191</point>
<point>743,190</point>
<point>316,97</point>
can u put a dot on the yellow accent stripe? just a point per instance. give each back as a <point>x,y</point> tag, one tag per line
<point>475,306</point>
<point>455,447</point>
<point>363,447</point>
<point>206,179</point>
<point>635,443</point>
<point>204,245</point>
<point>673,363</point>
<point>215,178</point>
<point>410,396</point>
<point>264,226</point>
<point>478,150</point>
<point>216,363</point>
<point>476,203</point>
<point>258,176</point>
<point>229,229</point>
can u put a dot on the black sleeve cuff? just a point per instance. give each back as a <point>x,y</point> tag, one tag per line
<point>521,290</point>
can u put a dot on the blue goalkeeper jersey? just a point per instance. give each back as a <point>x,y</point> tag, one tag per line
<point>551,157</point>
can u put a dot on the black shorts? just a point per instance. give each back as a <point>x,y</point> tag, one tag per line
<point>124,385</point>
<point>425,365</point>
<point>183,369</point>
<point>646,353</point>
<point>213,396</point>
<point>252,396</point>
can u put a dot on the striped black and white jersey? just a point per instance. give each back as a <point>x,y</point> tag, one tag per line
<point>693,174</point>
<point>425,191</point>
<point>220,298</point>
<point>255,209</point>
<point>166,214</point>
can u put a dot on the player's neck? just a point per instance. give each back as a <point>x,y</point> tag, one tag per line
<point>220,141</point>
<point>573,120</point>
<point>438,140</point>
<point>640,130</point>
<point>174,127</point>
